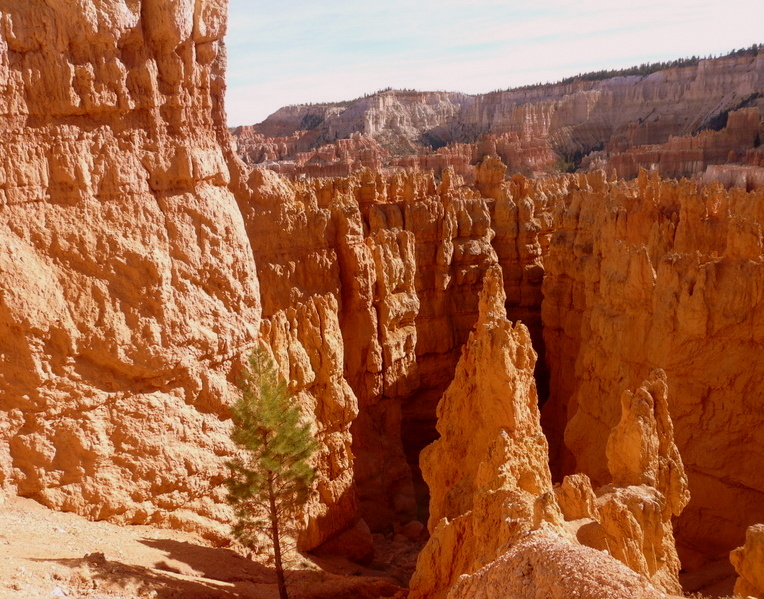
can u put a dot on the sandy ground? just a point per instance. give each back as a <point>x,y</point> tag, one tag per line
<point>51,554</point>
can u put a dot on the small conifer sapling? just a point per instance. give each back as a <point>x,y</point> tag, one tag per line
<point>271,476</point>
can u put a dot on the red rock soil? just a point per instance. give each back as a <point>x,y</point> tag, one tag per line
<point>52,554</point>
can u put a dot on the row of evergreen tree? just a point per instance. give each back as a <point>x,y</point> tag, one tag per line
<point>643,69</point>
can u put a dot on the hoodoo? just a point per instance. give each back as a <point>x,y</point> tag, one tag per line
<point>596,448</point>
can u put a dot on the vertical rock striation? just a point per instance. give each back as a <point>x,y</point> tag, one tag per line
<point>129,288</point>
<point>369,291</point>
<point>631,518</point>
<point>497,525</point>
<point>292,235</point>
<point>140,261</point>
<point>660,274</point>
<point>749,564</point>
<point>688,155</point>
<point>489,481</point>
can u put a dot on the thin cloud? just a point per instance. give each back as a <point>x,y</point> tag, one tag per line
<point>296,51</point>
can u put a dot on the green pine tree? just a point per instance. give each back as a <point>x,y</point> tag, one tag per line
<point>271,477</point>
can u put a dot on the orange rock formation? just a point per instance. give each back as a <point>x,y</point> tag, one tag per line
<point>662,121</point>
<point>664,276</point>
<point>129,289</point>
<point>631,519</point>
<point>685,156</point>
<point>749,564</point>
<point>129,280</point>
<point>489,482</point>
<point>492,503</point>
<point>140,261</point>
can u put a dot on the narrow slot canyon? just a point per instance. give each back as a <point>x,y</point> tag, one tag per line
<point>452,248</point>
<point>421,313</point>
<point>613,432</point>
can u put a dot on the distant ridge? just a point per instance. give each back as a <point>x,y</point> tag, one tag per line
<point>580,122</point>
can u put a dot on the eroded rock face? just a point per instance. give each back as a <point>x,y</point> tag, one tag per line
<point>667,121</point>
<point>631,518</point>
<point>489,481</point>
<point>129,237</point>
<point>749,564</point>
<point>293,156</point>
<point>734,175</point>
<point>140,261</point>
<point>369,292</point>
<point>641,450</point>
<point>661,274</point>
<point>292,237</point>
<point>129,289</point>
<point>688,155</point>
<point>497,525</point>
<point>397,119</point>
<point>644,461</point>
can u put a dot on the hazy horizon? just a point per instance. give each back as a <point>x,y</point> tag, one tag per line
<point>297,52</point>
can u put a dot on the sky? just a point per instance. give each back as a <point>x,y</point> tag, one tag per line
<point>283,52</point>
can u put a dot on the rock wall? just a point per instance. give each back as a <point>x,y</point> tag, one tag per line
<point>749,564</point>
<point>292,235</point>
<point>393,265</point>
<point>130,241</point>
<point>689,155</point>
<point>256,148</point>
<point>129,288</point>
<point>733,175</point>
<point>488,482</point>
<point>427,248</point>
<point>140,261</point>
<point>293,157</point>
<point>497,525</point>
<point>399,258</point>
<point>627,122</point>
<point>395,118</point>
<point>631,518</point>
<point>661,274</point>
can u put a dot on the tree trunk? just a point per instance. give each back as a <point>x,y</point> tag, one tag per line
<point>276,541</point>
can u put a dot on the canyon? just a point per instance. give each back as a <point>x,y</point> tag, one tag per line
<point>545,381</point>
<point>678,119</point>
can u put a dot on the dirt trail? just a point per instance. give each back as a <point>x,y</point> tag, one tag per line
<point>51,554</point>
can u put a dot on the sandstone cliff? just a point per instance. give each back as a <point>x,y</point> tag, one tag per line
<point>661,274</point>
<point>396,118</point>
<point>140,261</point>
<point>128,272</point>
<point>631,518</point>
<point>492,503</point>
<point>749,564</point>
<point>292,236</point>
<point>685,156</point>
<point>622,122</point>
<point>392,265</point>
<point>489,481</point>
<point>132,241</point>
<point>293,156</point>
<point>129,289</point>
